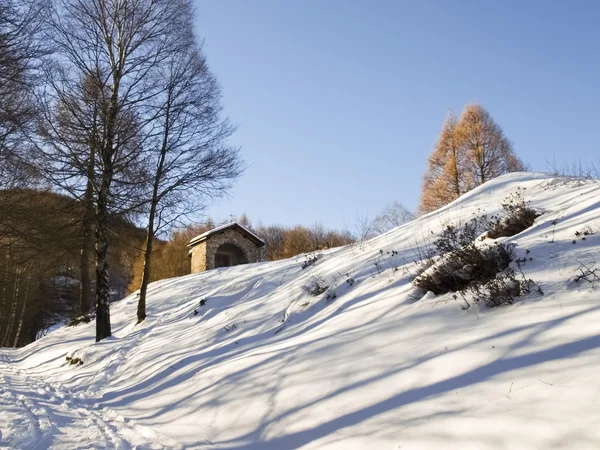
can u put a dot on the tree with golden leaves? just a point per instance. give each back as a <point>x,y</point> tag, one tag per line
<point>446,177</point>
<point>469,152</point>
<point>489,153</point>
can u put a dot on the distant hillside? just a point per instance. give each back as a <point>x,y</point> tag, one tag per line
<point>40,244</point>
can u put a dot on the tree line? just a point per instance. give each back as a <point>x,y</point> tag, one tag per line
<point>170,257</point>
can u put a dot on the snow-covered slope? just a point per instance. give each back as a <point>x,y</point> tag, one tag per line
<point>265,365</point>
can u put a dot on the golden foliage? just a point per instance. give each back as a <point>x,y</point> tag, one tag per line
<point>170,258</point>
<point>287,242</point>
<point>469,152</point>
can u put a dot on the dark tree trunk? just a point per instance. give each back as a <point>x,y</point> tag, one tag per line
<point>102,277</point>
<point>102,208</point>
<point>141,309</point>
<point>4,281</point>
<point>85,287</point>
<point>23,309</point>
<point>13,313</point>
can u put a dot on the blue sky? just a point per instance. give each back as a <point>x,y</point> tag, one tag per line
<point>339,103</point>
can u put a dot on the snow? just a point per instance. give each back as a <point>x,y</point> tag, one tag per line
<point>264,365</point>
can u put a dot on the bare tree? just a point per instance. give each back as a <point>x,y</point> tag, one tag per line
<point>72,130</point>
<point>363,228</point>
<point>393,215</point>
<point>19,53</point>
<point>244,221</point>
<point>122,45</point>
<point>318,236</point>
<point>191,161</point>
<point>274,237</point>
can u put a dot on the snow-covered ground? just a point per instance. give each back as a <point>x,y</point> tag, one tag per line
<point>264,365</point>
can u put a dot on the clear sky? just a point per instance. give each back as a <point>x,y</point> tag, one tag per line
<point>339,102</point>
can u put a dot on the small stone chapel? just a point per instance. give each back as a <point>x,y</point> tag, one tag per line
<point>224,246</point>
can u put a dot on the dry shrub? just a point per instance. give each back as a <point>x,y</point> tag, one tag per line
<point>501,290</point>
<point>461,261</point>
<point>86,318</point>
<point>460,265</point>
<point>310,260</point>
<point>316,286</point>
<point>518,216</point>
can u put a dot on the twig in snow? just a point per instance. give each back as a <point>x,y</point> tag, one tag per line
<point>588,273</point>
<point>509,391</point>
<point>283,276</point>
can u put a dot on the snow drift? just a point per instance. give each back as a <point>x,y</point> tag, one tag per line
<point>247,358</point>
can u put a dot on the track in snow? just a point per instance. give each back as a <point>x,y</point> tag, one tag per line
<point>45,415</point>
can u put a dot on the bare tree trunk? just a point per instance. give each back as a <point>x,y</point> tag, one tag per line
<point>141,309</point>
<point>456,174</point>
<point>85,288</point>
<point>103,329</point>
<point>13,312</point>
<point>4,282</point>
<point>22,317</point>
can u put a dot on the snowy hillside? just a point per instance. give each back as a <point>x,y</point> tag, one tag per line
<point>245,358</point>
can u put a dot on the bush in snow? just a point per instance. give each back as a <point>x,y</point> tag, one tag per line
<point>310,260</point>
<point>86,318</point>
<point>74,361</point>
<point>316,286</point>
<point>331,294</point>
<point>586,272</point>
<point>462,264</point>
<point>461,261</point>
<point>518,216</point>
<point>500,290</point>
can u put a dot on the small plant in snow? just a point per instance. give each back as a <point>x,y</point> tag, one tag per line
<point>311,260</point>
<point>518,216</point>
<point>316,286</point>
<point>583,235</point>
<point>86,318</point>
<point>586,272</point>
<point>500,290</point>
<point>331,294</point>
<point>386,260</point>
<point>74,361</point>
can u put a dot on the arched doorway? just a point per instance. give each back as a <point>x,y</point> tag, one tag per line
<point>229,255</point>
